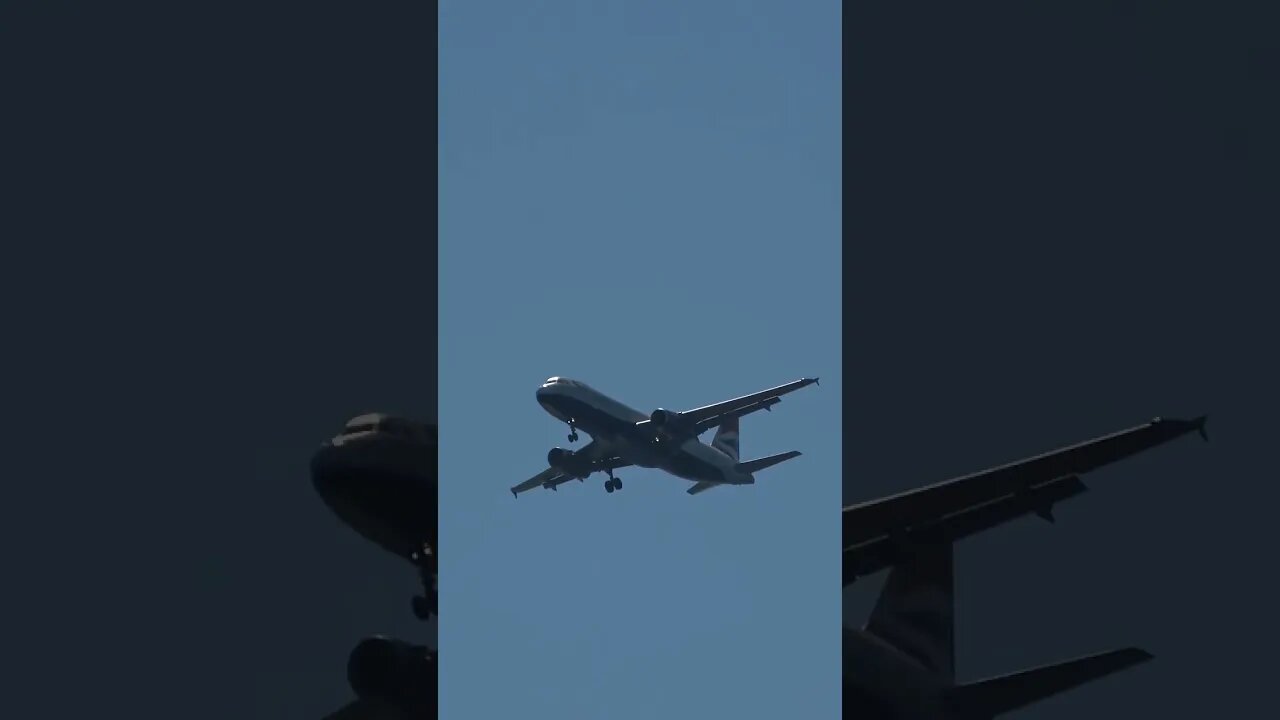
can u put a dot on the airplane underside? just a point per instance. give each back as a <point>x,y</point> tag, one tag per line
<point>664,440</point>
<point>689,468</point>
<point>676,461</point>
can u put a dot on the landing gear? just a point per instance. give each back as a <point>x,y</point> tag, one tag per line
<point>426,604</point>
<point>573,432</point>
<point>613,483</point>
<point>424,607</point>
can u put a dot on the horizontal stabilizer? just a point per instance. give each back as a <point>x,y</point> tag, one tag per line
<point>987,698</point>
<point>754,466</point>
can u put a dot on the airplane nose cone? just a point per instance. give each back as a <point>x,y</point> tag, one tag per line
<point>544,397</point>
<point>385,491</point>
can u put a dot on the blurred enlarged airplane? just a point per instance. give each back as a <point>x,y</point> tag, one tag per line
<point>379,475</point>
<point>901,664</point>
<point>665,439</point>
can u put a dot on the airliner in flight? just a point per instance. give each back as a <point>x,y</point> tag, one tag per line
<point>665,439</point>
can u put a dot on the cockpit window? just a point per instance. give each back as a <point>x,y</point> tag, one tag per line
<point>394,426</point>
<point>562,381</point>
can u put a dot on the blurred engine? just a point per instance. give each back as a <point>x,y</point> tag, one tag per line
<point>394,670</point>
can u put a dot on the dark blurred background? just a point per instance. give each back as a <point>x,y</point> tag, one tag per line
<point>1058,224</point>
<point>219,246</point>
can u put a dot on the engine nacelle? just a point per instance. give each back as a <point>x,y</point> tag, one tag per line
<point>393,670</point>
<point>669,425</point>
<point>664,418</point>
<point>568,462</point>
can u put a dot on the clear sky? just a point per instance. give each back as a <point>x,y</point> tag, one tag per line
<point>644,196</point>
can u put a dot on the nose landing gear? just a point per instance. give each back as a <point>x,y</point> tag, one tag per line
<point>573,432</point>
<point>424,607</point>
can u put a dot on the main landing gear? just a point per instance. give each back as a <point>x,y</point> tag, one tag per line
<point>613,483</point>
<point>573,432</point>
<point>426,604</point>
<point>424,607</point>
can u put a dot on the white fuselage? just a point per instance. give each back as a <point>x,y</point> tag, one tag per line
<point>613,425</point>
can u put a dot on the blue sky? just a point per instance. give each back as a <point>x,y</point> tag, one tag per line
<point>644,196</point>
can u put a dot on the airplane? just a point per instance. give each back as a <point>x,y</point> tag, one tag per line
<point>379,476</point>
<point>664,439</point>
<point>878,532</point>
<point>392,680</point>
<point>901,664</point>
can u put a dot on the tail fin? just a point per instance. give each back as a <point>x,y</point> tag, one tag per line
<point>987,698</point>
<point>916,609</point>
<point>726,439</point>
<point>754,466</point>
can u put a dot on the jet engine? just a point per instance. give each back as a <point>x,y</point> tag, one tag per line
<point>671,425</point>
<point>664,418</point>
<point>393,670</point>
<point>568,462</point>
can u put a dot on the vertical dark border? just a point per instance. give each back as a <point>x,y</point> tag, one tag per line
<point>217,135</point>
<point>1025,175</point>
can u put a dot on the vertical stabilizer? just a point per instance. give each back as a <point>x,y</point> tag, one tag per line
<point>916,610</point>
<point>726,439</point>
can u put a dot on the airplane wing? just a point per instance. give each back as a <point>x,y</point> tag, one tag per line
<point>875,518</point>
<point>716,421</point>
<point>552,478</point>
<point>702,486</point>
<point>548,478</point>
<point>887,550</point>
<point>739,406</point>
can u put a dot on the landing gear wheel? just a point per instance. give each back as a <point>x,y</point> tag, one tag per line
<point>617,483</point>
<point>573,437</point>
<point>612,484</point>
<point>608,486</point>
